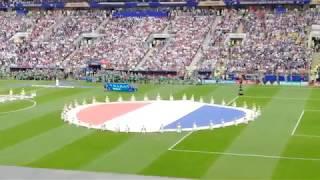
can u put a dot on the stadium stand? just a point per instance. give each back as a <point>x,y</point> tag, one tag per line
<point>273,42</point>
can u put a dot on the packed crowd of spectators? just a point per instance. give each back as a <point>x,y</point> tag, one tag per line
<point>274,42</point>
<point>123,43</point>
<point>39,51</point>
<point>188,34</point>
<point>211,55</point>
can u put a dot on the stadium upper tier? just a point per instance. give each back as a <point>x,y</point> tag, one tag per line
<point>225,1</point>
<point>50,4</point>
<point>200,39</point>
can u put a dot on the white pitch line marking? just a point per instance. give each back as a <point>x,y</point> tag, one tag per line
<point>34,103</point>
<point>307,135</point>
<point>188,134</point>
<point>180,140</point>
<point>232,100</point>
<point>246,155</point>
<point>280,98</point>
<point>297,124</point>
<point>315,110</point>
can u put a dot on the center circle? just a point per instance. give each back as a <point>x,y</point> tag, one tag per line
<point>153,116</point>
<point>15,105</point>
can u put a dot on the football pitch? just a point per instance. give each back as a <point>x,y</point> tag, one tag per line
<point>283,143</point>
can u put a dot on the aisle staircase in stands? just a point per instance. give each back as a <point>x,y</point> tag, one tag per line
<point>150,50</point>
<point>48,32</point>
<point>70,56</point>
<point>205,44</point>
<point>240,29</point>
<point>97,30</point>
<point>314,64</point>
<point>102,25</point>
<point>315,60</point>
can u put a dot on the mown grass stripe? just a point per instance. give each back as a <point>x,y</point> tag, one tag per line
<point>38,146</point>
<point>133,155</point>
<point>72,134</point>
<point>267,135</point>
<point>29,129</point>
<point>196,165</point>
<point>82,151</point>
<point>306,146</point>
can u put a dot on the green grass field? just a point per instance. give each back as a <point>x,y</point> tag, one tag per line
<point>283,143</point>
